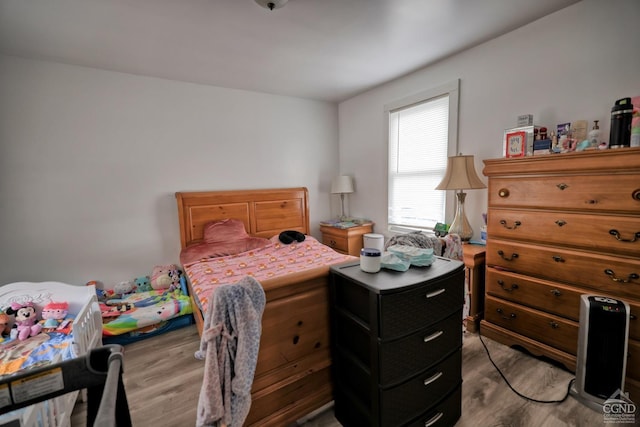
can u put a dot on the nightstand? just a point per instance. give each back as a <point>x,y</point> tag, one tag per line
<point>474,256</point>
<point>345,240</point>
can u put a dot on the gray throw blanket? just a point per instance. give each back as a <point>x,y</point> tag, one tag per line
<point>417,239</point>
<point>229,344</point>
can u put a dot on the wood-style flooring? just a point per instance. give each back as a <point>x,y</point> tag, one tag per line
<point>162,381</point>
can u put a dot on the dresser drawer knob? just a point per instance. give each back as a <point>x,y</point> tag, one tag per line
<point>554,325</point>
<point>557,258</point>
<point>515,225</point>
<point>562,186</point>
<point>511,258</point>
<point>503,192</point>
<point>636,195</point>
<point>432,378</point>
<point>433,419</point>
<point>502,314</point>
<point>511,289</point>
<point>561,223</point>
<point>630,277</point>
<point>433,336</point>
<point>616,234</point>
<point>556,292</point>
<point>591,202</point>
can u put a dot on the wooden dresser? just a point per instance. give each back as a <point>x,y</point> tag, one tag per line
<point>560,226</point>
<point>397,345</point>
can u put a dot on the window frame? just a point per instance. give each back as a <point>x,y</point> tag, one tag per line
<point>452,89</point>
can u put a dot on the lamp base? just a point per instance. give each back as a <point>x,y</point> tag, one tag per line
<point>460,224</point>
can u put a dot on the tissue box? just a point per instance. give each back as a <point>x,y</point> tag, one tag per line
<point>525,120</point>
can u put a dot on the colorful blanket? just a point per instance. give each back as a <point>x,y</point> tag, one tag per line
<point>142,309</point>
<point>273,260</point>
<point>40,350</point>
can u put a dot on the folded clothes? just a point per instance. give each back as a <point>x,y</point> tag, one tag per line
<point>420,257</point>
<point>391,261</point>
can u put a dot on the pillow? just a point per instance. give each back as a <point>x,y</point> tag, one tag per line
<point>222,238</point>
<point>202,251</point>
<point>224,231</point>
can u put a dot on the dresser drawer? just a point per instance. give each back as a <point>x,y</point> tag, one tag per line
<point>401,404</point>
<point>603,274</point>
<point>548,296</point>
<point>400,359</point>
<point>404,312</point>
<point>546,328</point>
<point>444,414</point>
<point>340,244</point>
<point>544,295</point>
<point>607,233</point>
<point>585,193</point>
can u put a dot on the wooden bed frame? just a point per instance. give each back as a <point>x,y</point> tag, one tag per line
<point>293,375</point>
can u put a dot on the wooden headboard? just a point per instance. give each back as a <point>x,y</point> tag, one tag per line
<point>265,213</point>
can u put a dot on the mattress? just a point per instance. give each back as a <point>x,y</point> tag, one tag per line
<point>273,260</point>
<point>142,311</point>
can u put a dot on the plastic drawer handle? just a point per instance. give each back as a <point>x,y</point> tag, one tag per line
<point>433,378</point>
<point>435,293</point>
<point>433,336</point>
<point>433,420</point>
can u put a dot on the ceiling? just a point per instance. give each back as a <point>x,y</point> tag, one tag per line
<point>328,50</point>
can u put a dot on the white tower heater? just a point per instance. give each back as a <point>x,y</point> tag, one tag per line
<point>602,349</point>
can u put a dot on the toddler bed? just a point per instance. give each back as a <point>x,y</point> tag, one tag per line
<point>141,315</point>
<point>81,333</point>
<point>293,371</point>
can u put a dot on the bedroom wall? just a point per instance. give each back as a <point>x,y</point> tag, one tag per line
<point>90,161</point>
<point>568,66</point>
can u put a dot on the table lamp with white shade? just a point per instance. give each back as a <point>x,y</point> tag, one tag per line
<point>461,175</point>
<point>342,185</point>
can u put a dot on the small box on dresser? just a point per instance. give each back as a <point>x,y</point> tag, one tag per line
<point>561,226</point>
<point>396,344</point>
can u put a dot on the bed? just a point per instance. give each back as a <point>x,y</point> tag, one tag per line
<point>82,333</point>
<point>292,375</point>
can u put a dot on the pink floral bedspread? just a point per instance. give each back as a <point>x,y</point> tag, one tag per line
<point>274,260</point>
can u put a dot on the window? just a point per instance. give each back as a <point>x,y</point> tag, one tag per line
<point>422,133</point>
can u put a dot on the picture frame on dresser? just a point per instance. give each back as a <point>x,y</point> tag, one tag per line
<point>515,144</point>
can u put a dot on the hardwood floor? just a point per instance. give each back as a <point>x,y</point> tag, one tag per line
<point>162,381</point>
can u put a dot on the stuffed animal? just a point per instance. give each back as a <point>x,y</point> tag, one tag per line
<point>175,279</point>
<point>54,315</point>
<point>143,284</point>
<point>123,288</point>
<point>160,277</point>
<point>26,323</point>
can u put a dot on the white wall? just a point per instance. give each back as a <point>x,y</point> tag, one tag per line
<point>90,161</point>
<point>568,66</point>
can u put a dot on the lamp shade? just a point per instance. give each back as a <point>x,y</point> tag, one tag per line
<point>460,175</point>
<point>342,184</point>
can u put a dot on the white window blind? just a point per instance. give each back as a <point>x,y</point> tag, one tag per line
<point>418,148</point>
